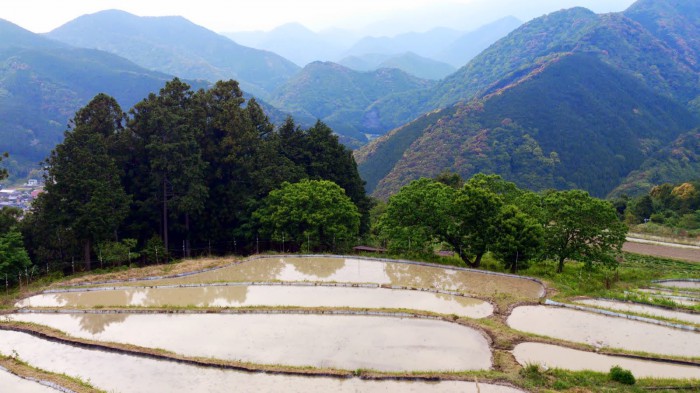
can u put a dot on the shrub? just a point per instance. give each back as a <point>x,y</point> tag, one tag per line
<point>621,375</point>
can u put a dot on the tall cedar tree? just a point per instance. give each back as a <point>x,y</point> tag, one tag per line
<point>84,196</point>
<point>172,167</point>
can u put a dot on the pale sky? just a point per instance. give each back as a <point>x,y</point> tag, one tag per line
<point>41,16</point>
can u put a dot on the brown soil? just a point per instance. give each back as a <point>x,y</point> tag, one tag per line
<point>185,266</point>
<point>658,250</point>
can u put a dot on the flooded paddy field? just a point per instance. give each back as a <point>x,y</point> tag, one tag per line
<point>575,360</point>
<point>13,384</point>
<point>352,270</point>
<point>605,331</point>
<point>266,295</point>
<point>120,373</point>
<point>628,307</point>
<point>324,341</point>
<point>681,284</point>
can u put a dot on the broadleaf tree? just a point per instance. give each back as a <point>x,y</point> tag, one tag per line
<point>582,228</point>
<point>316,211</point>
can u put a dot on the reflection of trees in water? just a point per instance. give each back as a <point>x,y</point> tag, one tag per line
<point>197,296</point>
<point>251,271</point>
<point>319,267</point>
<point>421,277</point>
<point>95,298</point>
<point>97,323</point>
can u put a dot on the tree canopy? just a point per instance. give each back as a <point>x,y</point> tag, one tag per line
<point>190,167</point>
<point>310,209</point>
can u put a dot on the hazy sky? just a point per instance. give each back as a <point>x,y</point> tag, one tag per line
<point>237,15</point>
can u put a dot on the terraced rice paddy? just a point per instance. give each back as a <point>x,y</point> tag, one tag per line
<point>330,315</point>
<point>266,295</point>
<point>646,310</point>
<point>324,341</point>
<point>604,331</point>
<point>572,359</point>
<point>14,384</point>
<point>359,271</point>
<point>115,372</point>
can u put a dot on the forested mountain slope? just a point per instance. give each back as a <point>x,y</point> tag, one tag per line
<point>43,83</point>
<point>338,95</point>
<point>572,99</point>
<point>576,123</point>
<point>178,47</point>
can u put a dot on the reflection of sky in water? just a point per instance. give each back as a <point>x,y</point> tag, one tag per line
<point>638,308</point>
<point>11,383</point>
<point>346,342</point>
<point>681,284</point>
<point>274,295</point>
<point>603,331</point>
<point>122,373</point>
<point>572,359</point>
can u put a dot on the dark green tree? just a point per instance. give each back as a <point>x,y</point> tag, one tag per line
<point>582,228</point>
<point>83,190</point>
<point>166,127</point>
<point>520,239</point>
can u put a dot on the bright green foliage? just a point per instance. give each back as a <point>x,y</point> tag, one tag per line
<point>83,190</point>
<point>520,239</point>
<point>583,228</point>
<point>117,253</point>
<point>13,256</point>
<point>427,210</point>
<point>621,375</point>
<point>418,215</point>
<point>310,210</point>
<point>478,212</point>
<point>154,251</point>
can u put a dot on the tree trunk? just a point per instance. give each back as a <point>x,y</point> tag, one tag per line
<point>165,214</point>
<point>464,257</point>
<point>477,259</point>
<point>560,268</point>
<point>187,236</point>
<point>86,255</point>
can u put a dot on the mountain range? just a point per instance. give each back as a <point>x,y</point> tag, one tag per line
<point>571,99</point>
<point>176,46</point>
<point>44,82</point>
<point>604,102</point>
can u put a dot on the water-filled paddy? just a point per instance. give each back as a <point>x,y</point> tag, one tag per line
<point>642,309</point>
<point>575,360</point>
<point>350,270</point>
<point>604,331</point>
<point>122,373</point>
<point>266,295</point>
<point>681,284</point>
<point>343,342</point>
<point>14,384</point>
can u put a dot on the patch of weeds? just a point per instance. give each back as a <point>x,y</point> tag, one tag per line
<point>619,374</point>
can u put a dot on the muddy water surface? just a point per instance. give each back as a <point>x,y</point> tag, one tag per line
<point>129,374</point>
<point>681,284</point>
<point>11,383</point>
<point>343,342</point>
<point>603,331</point>
<point>642,309</point>
<point>575,360</point>
<point>267,295</point>
<point>348,270</point>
